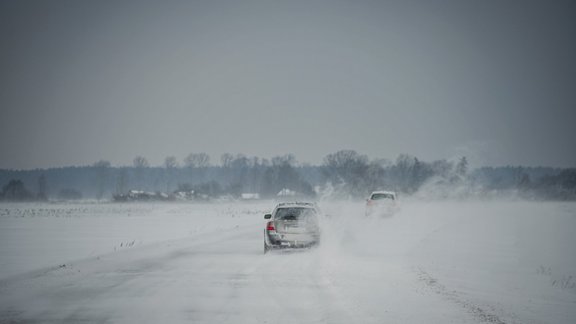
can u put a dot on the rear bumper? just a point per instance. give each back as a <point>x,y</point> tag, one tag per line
<point>276,240</point>
<point>382,210</point>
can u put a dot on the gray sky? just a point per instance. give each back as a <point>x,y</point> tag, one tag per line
<point>87,80</point>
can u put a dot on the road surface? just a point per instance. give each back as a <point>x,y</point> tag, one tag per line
<point>223,277</point>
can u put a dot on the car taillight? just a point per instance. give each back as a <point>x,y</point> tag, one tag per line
<point>270,226</point>
<point>369,202</point>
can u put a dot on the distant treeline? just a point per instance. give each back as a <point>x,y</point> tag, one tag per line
<point>343,174</point>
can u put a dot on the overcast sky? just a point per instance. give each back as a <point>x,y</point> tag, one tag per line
<point>82,81</point>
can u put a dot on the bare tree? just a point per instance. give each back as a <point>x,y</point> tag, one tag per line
<point>410,173</point>
<point>240,162</point>
<point>42,188</point>
<point>170,164</point>
<point>16,191</point>
<point>287,159</point>
<point>462,167</point>
<point>122,182</point>
<point>442,168</point>
<point>140,162</point>
<point>348,169</point>
<point>101,164</point>
<point>197,160</point>
<point>101,167</point>
<point>226,159</point>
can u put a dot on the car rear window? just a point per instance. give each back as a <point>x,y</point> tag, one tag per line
<point>378,196</point>
<point>295,213</point>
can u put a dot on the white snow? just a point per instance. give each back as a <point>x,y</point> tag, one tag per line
<point>433,262</point>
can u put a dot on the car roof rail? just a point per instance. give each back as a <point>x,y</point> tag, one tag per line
<point>300,203</point>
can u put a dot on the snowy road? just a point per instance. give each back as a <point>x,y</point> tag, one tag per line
<point>408,269</point>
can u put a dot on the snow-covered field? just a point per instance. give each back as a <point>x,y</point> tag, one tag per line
<point>433,262</point>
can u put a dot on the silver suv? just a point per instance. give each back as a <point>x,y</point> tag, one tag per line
<point>292,225</point>
<point>382,203</point>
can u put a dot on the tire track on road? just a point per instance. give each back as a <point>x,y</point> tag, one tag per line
<point>481,314</point>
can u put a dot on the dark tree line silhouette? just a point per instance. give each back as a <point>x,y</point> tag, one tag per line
<point>343,174</point>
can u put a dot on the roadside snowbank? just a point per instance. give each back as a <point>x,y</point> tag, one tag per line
<point>38,235</point>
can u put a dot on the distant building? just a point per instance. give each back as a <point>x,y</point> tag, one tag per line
<point>287,193</point>
<point>184,194</point>
<point>138,195</point>
<point>250,196</point>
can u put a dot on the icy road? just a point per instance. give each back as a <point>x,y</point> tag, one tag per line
<point>497,262</point>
